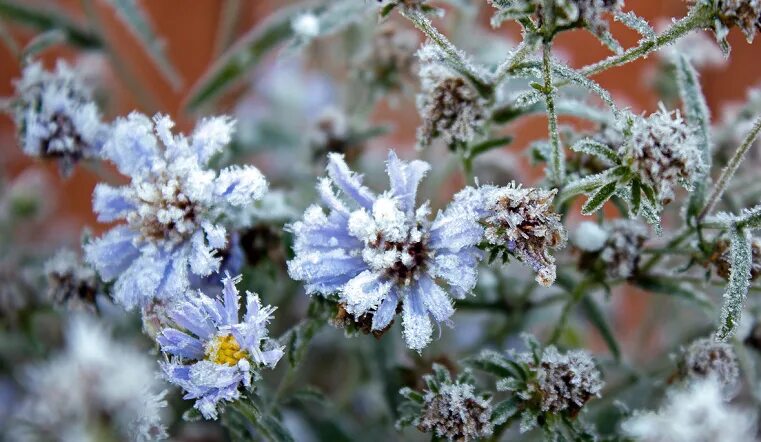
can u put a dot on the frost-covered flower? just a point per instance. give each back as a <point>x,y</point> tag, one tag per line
<point>520,221</point>
<point>745,14</point>
<point>71,283</point>
<point>567,13</point>
<point>449,105</point>
<point>172,207</point>
<point>721,261</point>
<point>56,117</point>
<point>96,389</point>
<point>377,251</point>
<point>617,245</point>
<point>448,409</point>
<point>212,351</point>
<point>663,151</point>
<point>696,413</point>
<point>390,62</point>
<point>709,358</point>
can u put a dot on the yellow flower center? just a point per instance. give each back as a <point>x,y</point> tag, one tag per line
<point>225,350</point>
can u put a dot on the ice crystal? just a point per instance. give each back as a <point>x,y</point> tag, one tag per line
<point>95,384</point>
<point>171,207</point>
<point>56,116</point>
<point>377,251</point>
<point>696,413</point>
<point>521,221</point>
<point>720,258</point>
<point>709,358</point>
<point>664,152</point>
<point>212,351</point>
<point>71,283</point>
<point>449,105</point>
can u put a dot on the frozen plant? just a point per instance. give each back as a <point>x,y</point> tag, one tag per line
<point>447,409</point>
<point>171,208</point>
<point>721,260</point>
<point>693,413</point>
<point>389,65</point>
<point>212,351</point>
<point>71,283</point>
<point>617,245</point>
<point>745,14</point>
<point>708,358</point>
<point>376,252</point>
<point>96,388</point>
<point>56,117</point>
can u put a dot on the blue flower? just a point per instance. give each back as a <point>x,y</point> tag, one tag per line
<point>379,251</point>
<point>172,207</point>
<point>212,352</point>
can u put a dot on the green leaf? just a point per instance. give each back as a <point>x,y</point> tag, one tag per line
<point>496,364</point>
<point>698,116</point>
<point>664,285</point>
<point>636,197</point>
<point>599,198</point>
<point>42,42</point>
<point>505,410</point>
<point>244,55</point>
<point>299,337</point>
<point>48,18</point>
<point>586,184</point>
<point>488,145</point>
<point>592,147</point>
<point>597,318</point>
<point>741,260</point>
<point>137,22</point>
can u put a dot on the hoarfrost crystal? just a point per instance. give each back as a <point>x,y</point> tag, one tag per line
<point>172,207</point>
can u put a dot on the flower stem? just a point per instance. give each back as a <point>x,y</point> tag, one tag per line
<point>557,161</point>
<point>729,171</point>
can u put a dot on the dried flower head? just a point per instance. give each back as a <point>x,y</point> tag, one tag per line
<point>71,283</point>
<point>331,133</point>
<point>451,410</point>
<point>449,105</point>
<point>390,62</point>
<point>567,13</point>
<point>617,245</point>
<point>377,251</point>
<point>663,151</point>
<point>707,357</point>
<point>56,117</point>
<point>696,413</point>
<point>97,388</point>
<point>222,352</point>
<point>520,221</point>
<point>720,258</point>
<point>745,14</point>
<point>172,207</point>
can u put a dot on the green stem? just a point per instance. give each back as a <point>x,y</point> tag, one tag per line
<point>671,244</point>
<point>517,56</point>
<point>729,171</point>
<point>576,295</point>
<point>557,162</point>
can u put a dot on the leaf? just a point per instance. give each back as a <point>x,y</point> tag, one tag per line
<point>137,22</point>
<point>488,145</point>
<point>698,115</point>
<point>592,147</point>
<point>48,18</point>
<point>574,76</point>
<point>599,198</point>
<point>241,57</point>
<point>585,185</point>
<point>597,318</point>
<point>664,285</point>
<point>637,23</point>
<point>299,337</point>
<point>42,42</point>
<point>741,260</point>
<point>505,410</point>
<point>636,197</point>
<point>496,364</point>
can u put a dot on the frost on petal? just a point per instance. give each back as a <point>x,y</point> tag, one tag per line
<point>349,182</point>
<point>386,311</point>
<point>435,300</point>
<point>364,292</point>
<point>112,253</point>
<point>240,186</point>
<point>180,344</point>
<point>132,146</point>
<point>211,135</point>
<point>202,258</point>
<point>404,179</point>
<point>110,203</point>
<point>417,325</point>
<point>140,282</point>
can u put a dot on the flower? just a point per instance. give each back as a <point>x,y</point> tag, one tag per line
<point>212,352</point>
<point>450,410</point>
<point>171,207</point>
<point>56,117</point>
<point>377,251</point>
<point>70,282</point>
<point>663,151</point>
<point>95,389</point>
<point>565,382</point>
<point>520,221</point>
<point>695,413</point>
<point>707,357</point>
<point>449,105</point>
<point>745,14</point>
<point>618,247</point>
<point>566,13</point>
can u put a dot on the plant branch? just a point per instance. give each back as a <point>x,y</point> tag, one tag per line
<point>557,162</point>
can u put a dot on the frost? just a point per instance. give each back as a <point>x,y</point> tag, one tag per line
<point>739,281</point>
<point>590,237</point>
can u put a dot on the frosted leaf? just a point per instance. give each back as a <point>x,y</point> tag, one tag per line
<point>739,281</point>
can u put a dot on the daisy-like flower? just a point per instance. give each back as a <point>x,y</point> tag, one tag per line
<point>172,207</point>
<point>95,389</point>
<point>213,352</point>
<point>56,116</point>
<point>520,221</point>
<point>377,252</point>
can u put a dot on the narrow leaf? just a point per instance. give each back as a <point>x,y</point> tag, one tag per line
<point>597,319</point>
<point>592,147</point>
<point>637,23</point>
<point>488,145</point>
<point>599,198</point>
<point>42,42</point>
<point>45,19</point>
<point>741,260</point>
<point>137,22</point>
<point>505,410</point>
<point>636,198</point>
